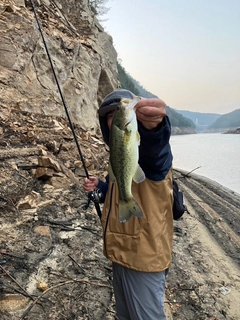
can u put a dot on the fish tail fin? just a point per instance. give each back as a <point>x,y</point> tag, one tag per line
<point>129,208</point>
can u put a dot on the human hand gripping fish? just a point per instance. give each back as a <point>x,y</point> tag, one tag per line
<point>151,112</point>
<point>123,162</point>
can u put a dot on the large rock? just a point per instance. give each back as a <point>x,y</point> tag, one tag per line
<point>82,54</point>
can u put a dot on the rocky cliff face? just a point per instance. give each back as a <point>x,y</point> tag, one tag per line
<point>82,53</point>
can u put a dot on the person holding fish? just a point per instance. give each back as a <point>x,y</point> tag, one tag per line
<point>137,216</point>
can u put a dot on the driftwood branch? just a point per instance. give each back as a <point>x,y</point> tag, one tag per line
<point>9,275</point>
<point>77,264</point>
<point>60,285</point>
<point>185,175</point>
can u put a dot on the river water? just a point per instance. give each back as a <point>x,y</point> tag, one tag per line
<point>217,155</point>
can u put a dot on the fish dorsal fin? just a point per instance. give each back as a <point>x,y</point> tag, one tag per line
<point>139,175</point>
<point>110,173</point>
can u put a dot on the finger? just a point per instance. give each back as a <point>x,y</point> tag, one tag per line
<point>93,180</point>
<point>151,111</point>
<point>87,180</point>
<point>150,118</point>
<point>89,186</point>
<point>152,102</point>
<point>88,189</point>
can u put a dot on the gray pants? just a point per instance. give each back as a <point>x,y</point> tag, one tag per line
<point>139,295</point>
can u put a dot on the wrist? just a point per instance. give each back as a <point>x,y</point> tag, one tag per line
<point>152,126</point>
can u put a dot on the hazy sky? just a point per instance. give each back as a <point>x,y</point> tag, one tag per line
<point>187,52</point>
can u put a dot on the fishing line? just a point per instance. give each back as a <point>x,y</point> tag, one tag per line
<point>91,197</point>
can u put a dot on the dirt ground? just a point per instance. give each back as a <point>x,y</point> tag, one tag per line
<point>51,261</point>
<point>204,280</point>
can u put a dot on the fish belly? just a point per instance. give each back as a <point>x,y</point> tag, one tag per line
<point>124,163</point>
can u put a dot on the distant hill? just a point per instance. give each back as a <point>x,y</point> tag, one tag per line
<point>227,121</point>
<point>178,120</point>
<point>201,120</point>
<point>198,121</point>
<point>129,83</point>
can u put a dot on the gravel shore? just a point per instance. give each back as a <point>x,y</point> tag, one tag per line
<point>204,279</point>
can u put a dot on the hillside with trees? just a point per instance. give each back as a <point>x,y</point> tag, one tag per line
<point>129,83</point>
<point>227,121</point>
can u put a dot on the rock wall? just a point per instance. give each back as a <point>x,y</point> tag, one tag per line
<point>233,131</point>
<point>82,54</point>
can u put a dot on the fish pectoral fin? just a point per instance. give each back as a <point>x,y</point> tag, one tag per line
<point>128,209</point>
<point>110,173</point>
<point>139,175</point>
<point>138,138</point>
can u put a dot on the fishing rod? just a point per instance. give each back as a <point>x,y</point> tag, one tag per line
<point>95,195</point>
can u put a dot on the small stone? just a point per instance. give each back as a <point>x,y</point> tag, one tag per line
<point>43,286</point>
<point>43,231</point>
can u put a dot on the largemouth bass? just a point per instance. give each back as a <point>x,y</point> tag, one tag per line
<point>123,162</point>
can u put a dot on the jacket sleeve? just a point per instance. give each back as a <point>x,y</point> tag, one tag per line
<point>103,186</point>
<point>155,156</point>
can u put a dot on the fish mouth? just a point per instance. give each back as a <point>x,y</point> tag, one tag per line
<point>130,107</point>
<point>133,103</point>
